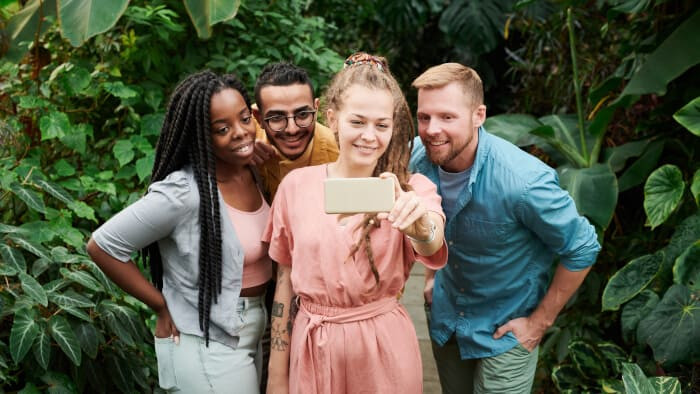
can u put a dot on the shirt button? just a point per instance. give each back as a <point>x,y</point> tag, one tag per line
<point>450,243</point>
<point>461,313</point>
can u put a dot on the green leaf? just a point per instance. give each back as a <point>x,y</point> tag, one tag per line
<point>594,190</point>
<point>123,151</point>
<point>617,156</point>
<point>635,381</point>
<point>630,280</point>
<point>24,331</point>
<point>88,337</point>
<point>30,197</point>
<point>58,383</point>
<point>119,319</point>
<point>673,327</point>
<point>588,362</point>
<point>151,124</point>
<point>75,79</point>
<point>23,26</point>
<point>29,246</point>
<point>63,168</point>
<point>144,166</point>
<point>33,102</point>
<point>82,19</point>
<point>635,310</point>
<point>613,355</point>
<point>567,377</point>
<point>83,210</point>
<point>71,298</point>
<point>55,124</point>
<point>77,312</point>
<point>33,289</point>
<point>13,257</point>
<point>206,13</point>
<point>62,333</point>
<point>42,349</point>
<point>663,192</point>
<point>55,285</point>
<point>8,229</point>
<point>118,89</point>
<point>638,172</point>
<point>672,58</point>
<point>695,187</point>
<point>686,271</point>
<point>612,386</point>
<point>689,116</point>
<point>73,237</point>
<point>83,278</point>
<point>29,388</point>
<point>40,266</point>
<point>77,137</point>
<point>475,24</point>
<point>55,190</point>
<point>665,385</point>
<point>514,128</point>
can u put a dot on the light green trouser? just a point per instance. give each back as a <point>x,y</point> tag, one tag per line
<point>192,367</point>
<point>511,372</point>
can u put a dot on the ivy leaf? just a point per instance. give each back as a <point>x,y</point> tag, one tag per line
<point>118,89</point>
<point>82,278</point>
<point>24,331</point>
<point>65,337</point>
<point>13,257</point>
<point>88,337</point>
<point>77,138</point>
<point>63,168</point>
<point>29,246</point>
<point>83,210</point>
<point>42,349</point>
<point>124,151</point>
<point>144,166</point>
<point>151,124</point>
<point>30,197</point>
<point>55,124</point>
<point>55,190</point>
<point>630,280</point>
<point>662,194</point>
<point>33,289</point>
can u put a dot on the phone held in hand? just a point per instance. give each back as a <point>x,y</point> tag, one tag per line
<point>358,195</point>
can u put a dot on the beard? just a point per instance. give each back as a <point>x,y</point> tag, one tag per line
<point>442,158</point>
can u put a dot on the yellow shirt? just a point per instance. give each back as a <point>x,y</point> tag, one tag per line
<point>321,149</point>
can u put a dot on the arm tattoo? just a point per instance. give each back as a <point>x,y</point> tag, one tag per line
<point>277,309</point>
<point>276,340</point>
<point>280,271</point>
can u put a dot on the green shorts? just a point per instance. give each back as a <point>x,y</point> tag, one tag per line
<point>509,372</point>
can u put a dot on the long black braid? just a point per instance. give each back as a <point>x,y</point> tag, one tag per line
<point>186,139</point>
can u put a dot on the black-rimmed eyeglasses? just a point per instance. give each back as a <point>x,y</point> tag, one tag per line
<point>278,123</point>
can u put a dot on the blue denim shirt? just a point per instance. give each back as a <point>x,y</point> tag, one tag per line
<point>510,221</point>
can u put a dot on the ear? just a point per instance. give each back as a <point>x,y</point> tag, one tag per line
<point>316,103</point>
<point>479,115</point>
<point>257,115</point>
<point>332,120</point>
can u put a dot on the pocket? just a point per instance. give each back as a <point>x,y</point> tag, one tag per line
<point>165,349</point>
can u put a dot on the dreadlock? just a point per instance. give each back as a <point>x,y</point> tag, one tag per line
<point>373,72</point>
<point>186,139</point>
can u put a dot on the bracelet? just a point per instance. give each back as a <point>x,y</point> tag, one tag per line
<point>431,237</point>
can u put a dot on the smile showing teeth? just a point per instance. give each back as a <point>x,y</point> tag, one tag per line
<point>367,149</point>
<point>437,143</point>
<point>243,149</point>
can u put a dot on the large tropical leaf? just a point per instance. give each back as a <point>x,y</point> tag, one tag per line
<point>88,337</point>
<point>686,271</point>
<point>635,381</point>
<point>475,24</point>
<point>65,337</point>
<point>587,360</point>
<point>635,310</point>
<point>42,348</point>
<point>82,19</point>
<point>663,192</point>
<point>567,377</point>
<point>665,385</point>
<point>613,355</point>
<point>24,331</point>
<point>513,128</point>
<point>33,289</point>
<point>689,116</point>
<point>631,280</point>
<point>673,327</point>
<point>23,26</point>
<point>13,257</point>
<point>695,187</point>
<point>639,171</point>
<point>669,60</point>
<point>206,13</point>
<point>30,197</point>
<point>593,189</point>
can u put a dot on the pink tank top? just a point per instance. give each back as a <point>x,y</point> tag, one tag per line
<point>257,266</point>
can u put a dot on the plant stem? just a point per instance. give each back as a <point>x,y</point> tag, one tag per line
<point>577,86</point>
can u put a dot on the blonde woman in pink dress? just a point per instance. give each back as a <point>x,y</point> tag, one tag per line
<point>351,334</point>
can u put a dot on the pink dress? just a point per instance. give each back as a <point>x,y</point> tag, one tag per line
<point>349,336</point>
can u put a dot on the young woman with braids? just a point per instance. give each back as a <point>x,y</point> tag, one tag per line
<point>351,334</point>
<point>199,228</point>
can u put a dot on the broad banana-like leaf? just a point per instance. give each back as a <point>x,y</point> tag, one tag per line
<point>594,190</point>
<point>663,192</point>
<point>630,280</point>
<point>206,13</point>
<point>24,25</point>
<point>689,116</point>
<point>83,19</point>
<point>673,327</point>
<point>513,128</point>
<point>686,271</point>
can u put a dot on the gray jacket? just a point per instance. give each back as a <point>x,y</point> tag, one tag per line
<point>169,214</point>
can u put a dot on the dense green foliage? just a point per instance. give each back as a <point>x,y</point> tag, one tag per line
<point>82,104</point>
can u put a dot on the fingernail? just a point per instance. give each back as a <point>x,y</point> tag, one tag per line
<point>391,218</point>
<point>177,339</point>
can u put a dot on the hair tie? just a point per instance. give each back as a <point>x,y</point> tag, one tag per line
<point>360,58</point>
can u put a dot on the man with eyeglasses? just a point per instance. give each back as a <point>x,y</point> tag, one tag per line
<point>290,136</point>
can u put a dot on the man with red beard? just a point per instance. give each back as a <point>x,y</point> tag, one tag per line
<point>507,219</point>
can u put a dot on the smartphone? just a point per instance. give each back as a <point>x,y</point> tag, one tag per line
<point>358,195</point>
